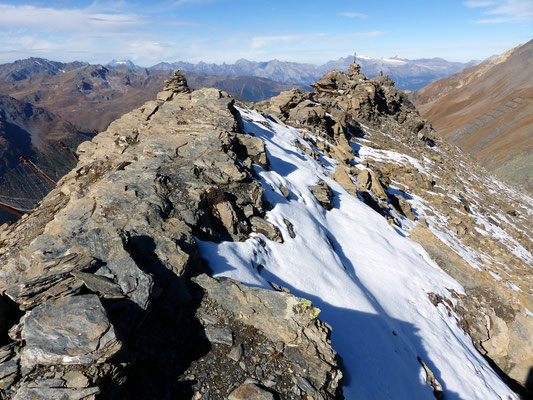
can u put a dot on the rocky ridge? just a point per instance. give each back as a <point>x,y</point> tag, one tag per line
<point>95,278</point>
<point>117,240</point>
<point>476,228</point>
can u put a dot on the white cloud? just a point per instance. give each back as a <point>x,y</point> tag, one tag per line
<point>353,14</point>
<point>510,11</point>
<point>66,20</point>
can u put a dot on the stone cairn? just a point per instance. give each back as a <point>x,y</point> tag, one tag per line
<point>177,83</point>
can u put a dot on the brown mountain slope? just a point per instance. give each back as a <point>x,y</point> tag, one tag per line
<point>32,132</point>
<point>92,96</point>
<point>487,110</point>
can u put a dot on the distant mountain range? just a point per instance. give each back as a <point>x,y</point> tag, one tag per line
<point>24,69</point>
<point>408,74</point>
<point>91,96</point>
<point>487,111</point>
<point>46,100</point>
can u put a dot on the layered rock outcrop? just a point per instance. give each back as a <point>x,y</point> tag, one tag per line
<point>97,296</point>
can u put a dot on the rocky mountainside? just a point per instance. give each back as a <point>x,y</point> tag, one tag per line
<point>30,67</point>
<point>486,110</point>
<point>32,132</point>
<point>82,96</point>
<point>408,74</point>
<point>339,204</point>
<point>91,96</point>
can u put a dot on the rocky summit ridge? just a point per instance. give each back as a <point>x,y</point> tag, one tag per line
<point>105,293</point>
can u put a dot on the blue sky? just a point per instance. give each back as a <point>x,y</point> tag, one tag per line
<point>148,32</point>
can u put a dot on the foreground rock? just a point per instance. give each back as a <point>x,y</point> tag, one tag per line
<point>96,280</point>
<point>276,338</point>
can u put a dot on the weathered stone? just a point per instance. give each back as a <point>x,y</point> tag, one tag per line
<point>165,95</point>
<point>47,393</point>
<point>255,149</point>
<point>250,392</point>
<point>283,318</point>
<point>290,228</point>
<point>323,194</point>
<point>219,334</point>
<point>100,284</point>
<point>72,330</point>
<point>266,228</point>
<point>236,353</point>
<point>342,178</point>
<point>75,379</point>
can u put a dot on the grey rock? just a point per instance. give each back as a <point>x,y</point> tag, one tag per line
<point>236,353</point>
<point>55,282</point>
<point>72,330</point>
<point>47,393</point>
<point>219,334</point>
<point>250,392</point>
<point>100,284</point>
<point>281,318</point>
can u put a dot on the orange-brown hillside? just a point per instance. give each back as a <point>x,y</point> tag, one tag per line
<point>487,110</point>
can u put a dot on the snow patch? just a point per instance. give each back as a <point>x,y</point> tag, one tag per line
<point>370,281</point>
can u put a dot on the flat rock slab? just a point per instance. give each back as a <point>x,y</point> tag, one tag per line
<point>72,330</point>
<point>221,335</point>
<point>45,393</point>
<point>250,391</point>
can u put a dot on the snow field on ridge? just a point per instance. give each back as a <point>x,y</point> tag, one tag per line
<point>370,282</point>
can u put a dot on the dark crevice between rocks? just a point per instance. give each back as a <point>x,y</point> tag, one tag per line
<point>10,315</point>
<point>163,340</point>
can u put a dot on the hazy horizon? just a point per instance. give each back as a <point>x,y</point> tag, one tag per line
<point>216,31</point>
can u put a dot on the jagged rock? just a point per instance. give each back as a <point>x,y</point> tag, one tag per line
<point>71,330</point>
<point>250,391</point>
<point>56,280</point>
<point>343,178</point>
<point>47,393</point>
<point>484,309</point>
<point>406,155</point>
<point>179,170</point>
<point>100,284</point>
<point>290,228</point>
<point>364,180</point>
<point>288,330</point>
<point>255,149</point>
<point>368,180</point>
<point>220,335</point>
<point>266,228</point>
<point>323,194</point>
